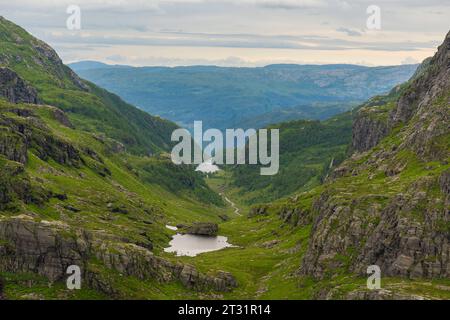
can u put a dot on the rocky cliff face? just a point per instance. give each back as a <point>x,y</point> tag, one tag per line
<point>369,127</point>
<point>388,206</point>
<point>201,228</point>
<point>375,122</point>
<point>14,89</point>
<point>25,131</point>
<point>47,57</point>
<point>426,88</point>
<point>49,248</point>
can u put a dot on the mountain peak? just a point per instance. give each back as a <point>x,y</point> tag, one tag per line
<point>33,58</point>
<point>434,79</point>
<point>443,55</point>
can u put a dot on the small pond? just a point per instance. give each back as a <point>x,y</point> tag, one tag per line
<point>192,245</point>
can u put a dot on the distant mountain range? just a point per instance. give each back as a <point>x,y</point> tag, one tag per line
<point>244,97</point>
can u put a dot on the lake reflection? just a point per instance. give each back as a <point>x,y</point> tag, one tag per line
<point>192,245</point>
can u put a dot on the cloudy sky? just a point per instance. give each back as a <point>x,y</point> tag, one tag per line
<point>236,32</point>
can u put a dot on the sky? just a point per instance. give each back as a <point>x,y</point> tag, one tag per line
<point>239,33</point>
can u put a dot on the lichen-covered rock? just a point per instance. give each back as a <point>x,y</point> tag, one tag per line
<point>49,58</point>
<point>444,183</point>
<point>13,183</point>
<point>14,89</point>
<point>425,88</point>
<point>259,210</point>
<point>37,247</point>
<point>407,237</point>
<point>368,129</point>
<point>381,294</point>
<point>202,229</point>
<point>13,145</point>
<point>192,279</point>
<point>48,248</point>
<point>17,136</point>
<point>61,117</point>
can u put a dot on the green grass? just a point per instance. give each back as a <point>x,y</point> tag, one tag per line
<point>309,150</point>
<point>29,286</point>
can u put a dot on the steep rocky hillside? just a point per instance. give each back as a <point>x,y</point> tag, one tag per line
<point>77,189</point>
<point>389,204</point>
<point>310,150</point>
<point>89,107</point>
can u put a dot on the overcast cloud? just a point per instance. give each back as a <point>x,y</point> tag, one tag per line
<point>236,32</point>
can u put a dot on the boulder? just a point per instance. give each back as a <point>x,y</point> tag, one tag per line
<point>202,229</point>
<point>62,118</point>
<point>14,88</point>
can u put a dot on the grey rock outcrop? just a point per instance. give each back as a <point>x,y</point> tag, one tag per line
<point>389,237</point>
<point>48,248</point>
<point>368,130</point>
<point>191,278</point>
<point>14,184</point>
<point>62,118</point>
<point>202,229</point>
<point>381,294</point>
<point>17,137</point>
<point>404,230</point>
<point>14,89</point>
<point>431,79</point>
<point>48,57</point>
<point>444,183</point>
<point>425,88</point>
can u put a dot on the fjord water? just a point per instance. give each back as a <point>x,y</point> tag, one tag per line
<point>192,245</point>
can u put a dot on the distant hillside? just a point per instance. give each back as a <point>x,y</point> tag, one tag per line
<point>245,97</point>
<point>309,150</point>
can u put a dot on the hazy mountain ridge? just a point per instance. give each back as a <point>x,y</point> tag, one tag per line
<point>245,97</point>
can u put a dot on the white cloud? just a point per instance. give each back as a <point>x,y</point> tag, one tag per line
<point>410,60</point>
<point>252,31</point>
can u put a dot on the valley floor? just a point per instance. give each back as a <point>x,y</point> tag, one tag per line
<point>268,255</point>
<point>265,263</point>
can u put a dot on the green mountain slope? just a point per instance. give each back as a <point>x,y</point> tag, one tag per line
<point>88,107</point>
<point>245,97</point>
<point>389,204</point>
<point>85,180</point>
<point>309,150</point>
